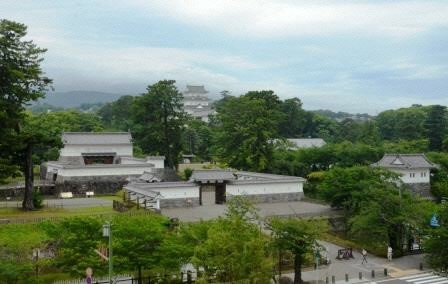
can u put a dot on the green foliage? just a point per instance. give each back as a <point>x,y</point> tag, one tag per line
<point>22,81</point>
<point>187,173</point>
<point>298,237</point>
<point>406,146</point>
<point>435,244</point>
<point>75,240</point>
<point>246,127</point>
<point>439,176</point>
<point>158,120</point>
<point>403,123</point>
<point>436,127</point>
<point>13,273</point>
<point>197,139</point>
<point>341,186</point>
<point>234,249</point>
<point>38,200</point>
<point>117,115</point>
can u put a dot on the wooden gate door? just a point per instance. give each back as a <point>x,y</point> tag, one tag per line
<point>221,193</point>
<point>207,194</point>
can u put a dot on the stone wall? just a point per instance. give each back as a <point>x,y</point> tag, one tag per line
<point>179,202</point>
<point>271,198</point>
<point>422,189</point>
<point>98,184</point>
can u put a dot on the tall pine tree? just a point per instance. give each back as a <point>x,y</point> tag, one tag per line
<point>435,125</point>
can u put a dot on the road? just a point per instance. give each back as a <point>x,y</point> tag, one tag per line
<point>422,278</point>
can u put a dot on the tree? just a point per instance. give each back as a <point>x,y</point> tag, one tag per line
<point>293,120</point>
<point>235,249</point>
<point>158,121</point>
<point>117,115</point>
<point>246,127</point>
<point>137,242</point>
<point>435,245</point>
<point>298,237</point>
<point>21,81</point>
<point>435,125</point>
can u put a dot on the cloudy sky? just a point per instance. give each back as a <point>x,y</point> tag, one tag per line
<point>349,55</point>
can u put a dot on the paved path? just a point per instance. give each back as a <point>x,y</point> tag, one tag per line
<point>400,267</point>
<point>207,212</point>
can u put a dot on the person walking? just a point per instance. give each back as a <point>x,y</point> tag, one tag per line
<point>389,253</point>
<point>364,256</point>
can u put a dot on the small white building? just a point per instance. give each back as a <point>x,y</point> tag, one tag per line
<point>102,162</point>
<point>303,143</point>
<point>414,170</point>
<point>207,187</point>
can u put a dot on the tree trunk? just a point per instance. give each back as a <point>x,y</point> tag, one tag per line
<point>170,162</point>
<point>140,274</point>
<point>297,269</point>
<point>27,203</point>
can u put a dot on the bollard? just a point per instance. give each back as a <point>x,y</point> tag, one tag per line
<point>360,275</point>
<point>385,271</point>
<point>326,280</point>
<point>149,279</point>
<point>346,277</point>
<point>333,279</point>
<point>421,266</point>
<point>373,273</point>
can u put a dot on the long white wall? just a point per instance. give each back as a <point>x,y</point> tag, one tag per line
<point>414,176</point>
<point>264,188</point>
<point>103,171</point>
<point>179,192</point>
<point>76,150</point>
<point>158,163</point>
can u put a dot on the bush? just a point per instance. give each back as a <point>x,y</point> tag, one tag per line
<point>38,200</point>
<point>187,173</point>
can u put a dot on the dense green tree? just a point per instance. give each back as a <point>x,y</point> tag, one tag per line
<point>403,123</point>
<point>235,249</point>
<point>436,126</point>
<point>197,139</point>
<point>246,128</point>
<point>74,241</point>
<point>292,123</point>
<point>21,81</point>
<point>117,115</point>
<point>298,237</point>
<point>137,242</point>
<point>340,185</point>
<point>435,245</point>
<point>158,121</point>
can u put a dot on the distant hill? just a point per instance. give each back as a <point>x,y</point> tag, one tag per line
<point>340,115</point>
<point>76,98</point>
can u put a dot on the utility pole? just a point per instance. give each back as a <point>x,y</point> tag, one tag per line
<point>107,232</point>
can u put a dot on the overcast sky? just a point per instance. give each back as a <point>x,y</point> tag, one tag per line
<point>356,56</point>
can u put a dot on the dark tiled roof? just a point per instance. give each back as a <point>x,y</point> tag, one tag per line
<point>195,89</point>
<point>404,161</point>
<point>211,175</point>
<point>96,138</point>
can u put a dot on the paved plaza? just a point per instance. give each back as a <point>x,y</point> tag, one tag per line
<point>207,212</point>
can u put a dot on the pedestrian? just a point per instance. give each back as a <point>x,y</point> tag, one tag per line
<point>389,253</point>
<point>364,256</point>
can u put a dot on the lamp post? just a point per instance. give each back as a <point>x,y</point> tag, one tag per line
<point>107,232</point>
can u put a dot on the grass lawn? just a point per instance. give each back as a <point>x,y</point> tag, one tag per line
<point>16,213</point>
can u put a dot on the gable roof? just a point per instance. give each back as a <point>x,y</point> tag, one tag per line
<point>96,138</point>
<point>195,89</point>
<point>405,161</point>
<point>307,142</point>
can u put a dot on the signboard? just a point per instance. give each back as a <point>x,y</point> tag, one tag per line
<point>434,221</point>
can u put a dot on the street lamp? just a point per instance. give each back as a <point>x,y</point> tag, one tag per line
<point>107,232</point>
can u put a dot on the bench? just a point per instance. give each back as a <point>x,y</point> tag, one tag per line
<point>89,193</point>
<point>66,194</point>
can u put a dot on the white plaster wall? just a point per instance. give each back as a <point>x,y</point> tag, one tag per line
<point>419,178</point>
<point>264,188</point>
<point>179,192</point>
<point>158,163</point>
<point>76,150</point>
<point>103,171</point>
<point>126,161</point>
